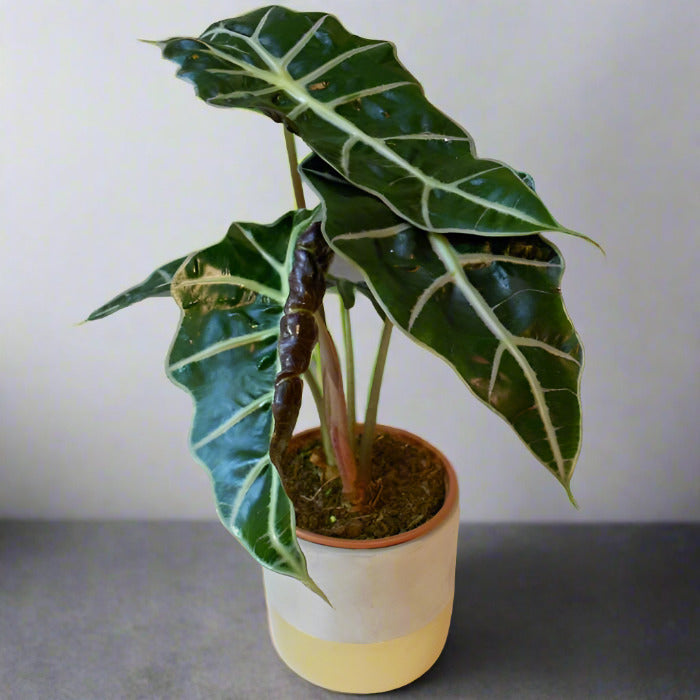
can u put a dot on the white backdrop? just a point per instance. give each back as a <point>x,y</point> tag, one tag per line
<point>111,167</point>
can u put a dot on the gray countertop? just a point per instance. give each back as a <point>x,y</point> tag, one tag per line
<point>175,610</point>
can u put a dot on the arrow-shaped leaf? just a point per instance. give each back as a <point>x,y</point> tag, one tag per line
<point>356,106</point>
<point>492,308</point>
<point>225,355</point>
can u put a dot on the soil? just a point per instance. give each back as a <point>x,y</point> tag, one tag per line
<point>407,489</point>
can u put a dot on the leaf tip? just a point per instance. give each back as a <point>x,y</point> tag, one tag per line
<point>159,44</point>
<point>571,232</point>
<point>570,494</point>
<point>309,583</point>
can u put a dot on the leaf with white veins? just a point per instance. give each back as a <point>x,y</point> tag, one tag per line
<point>225,355</point>
<point>492,308</point>
<point>357,107</point>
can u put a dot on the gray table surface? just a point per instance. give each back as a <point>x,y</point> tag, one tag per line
<point>176,610</point>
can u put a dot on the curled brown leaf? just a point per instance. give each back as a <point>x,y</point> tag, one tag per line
<point>298,332</point>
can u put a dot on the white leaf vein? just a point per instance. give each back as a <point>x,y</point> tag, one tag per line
<point>426,136</point>
<point>233,280</point>
<point>243,490</point>
<point>236,418</point>
<point>223,346</point>
<point>426,295</point>
<point>333,62</point>
<point>345,155</point>
<point>447,255</point>
<point>494,369</point>
<point>487,258</point>
<point>367,92</point>
<point>374,233</point>
<point>522,341</point>
<point>302,43</point>
<point>275,264</point>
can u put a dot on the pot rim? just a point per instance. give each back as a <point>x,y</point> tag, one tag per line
<point>437,519</point>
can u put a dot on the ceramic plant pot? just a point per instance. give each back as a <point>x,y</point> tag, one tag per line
<point>391,602</point>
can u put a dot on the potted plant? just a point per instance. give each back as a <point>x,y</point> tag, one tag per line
<point>449,249</point>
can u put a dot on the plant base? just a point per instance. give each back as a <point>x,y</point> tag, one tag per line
<point>391,602</point>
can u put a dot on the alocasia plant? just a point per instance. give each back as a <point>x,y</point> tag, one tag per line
<point>449,246</point>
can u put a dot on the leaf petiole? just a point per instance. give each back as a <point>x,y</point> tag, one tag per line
<point>373,400</point>
<point>293,169</point>
<point>317,395</point>
<point>349,366</point>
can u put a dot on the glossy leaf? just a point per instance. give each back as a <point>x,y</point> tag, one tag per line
<point>492,308</point>
<point>348,290</point>
<point>357,107</point>
<point>225,355</point>
<point>155,285</point>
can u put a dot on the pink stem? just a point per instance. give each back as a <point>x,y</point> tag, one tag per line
<point>336,411</point>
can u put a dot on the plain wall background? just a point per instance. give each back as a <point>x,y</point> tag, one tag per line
<point>111,167</point>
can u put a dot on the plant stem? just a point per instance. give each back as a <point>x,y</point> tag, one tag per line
<point>349,367</point>
<point>312,381</point>
<point>314,375</point>
<point>354,488</point>
<point>316,365</point>
<point>294,169</point>
<point>317,394</point>
<point>373,400</point>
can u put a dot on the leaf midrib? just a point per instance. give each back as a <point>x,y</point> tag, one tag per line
<point>449,258</point>
<point>279,77</point>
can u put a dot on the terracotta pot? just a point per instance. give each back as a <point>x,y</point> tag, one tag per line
<point>391,601</point>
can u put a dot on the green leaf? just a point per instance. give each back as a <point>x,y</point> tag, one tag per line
<point>346,291</point>
<point>156,285</point>
<point>357,107</point>
<point>225,355</point>
<point>492,308</point>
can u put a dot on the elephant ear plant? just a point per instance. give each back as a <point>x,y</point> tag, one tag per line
<point>449,246</point>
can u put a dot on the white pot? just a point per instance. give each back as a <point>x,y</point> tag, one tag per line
<point>391,602</point>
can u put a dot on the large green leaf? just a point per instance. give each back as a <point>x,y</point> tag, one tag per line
<point>155,285</point>
<point>357,107</point>
<point>225,355</point>
<point>491,307</point>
